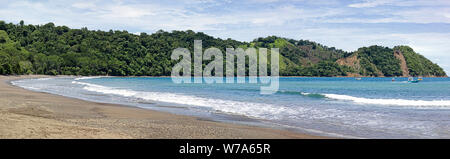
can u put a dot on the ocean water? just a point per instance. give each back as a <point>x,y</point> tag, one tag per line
<point>336,107</point>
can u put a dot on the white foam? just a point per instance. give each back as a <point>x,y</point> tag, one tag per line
<point>43,79</point>
<point>20,83</point>
<point>249,109</point>
<point>93,77</point>
<point>258,110</point>
<point>397,102</point>
<point>14,83</point>
<point>305,94</point>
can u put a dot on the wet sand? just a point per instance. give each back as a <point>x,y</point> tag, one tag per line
<point>28,114</point>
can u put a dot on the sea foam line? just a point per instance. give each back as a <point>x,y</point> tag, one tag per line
<point>250,109</point>
<point>397,102</point>
<point>93,77</point>
<point>257,110</point>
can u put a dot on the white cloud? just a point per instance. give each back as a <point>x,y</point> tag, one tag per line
<point>410,15</point>
<point>84,5</point>
<point>123,11</point>
<point>263,1</point>
<point>370,3</point>
<point>424,15</point>
<point>400,3</point>
<point>302,19</point>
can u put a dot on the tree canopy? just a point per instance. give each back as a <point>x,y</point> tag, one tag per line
<point>60,50</point>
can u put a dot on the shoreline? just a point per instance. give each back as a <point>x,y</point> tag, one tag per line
<point>28,114</point>
<point>245,76</point>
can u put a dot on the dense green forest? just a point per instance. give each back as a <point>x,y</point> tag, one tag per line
<point>60,50</point>
<point>378,61</point>
<point>305,58</point>
<point>377,58</point>
<point>418,65</point>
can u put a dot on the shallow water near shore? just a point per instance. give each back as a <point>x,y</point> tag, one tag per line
<point>337,107</point>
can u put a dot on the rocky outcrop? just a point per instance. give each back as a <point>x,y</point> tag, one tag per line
<point>351,61</point>
<point>354,63</point>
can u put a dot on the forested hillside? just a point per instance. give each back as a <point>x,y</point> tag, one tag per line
<point>378,61</point>
<point>59,50</point>
<point>417,64</point>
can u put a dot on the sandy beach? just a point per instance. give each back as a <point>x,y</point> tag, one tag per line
<point>28,114</point>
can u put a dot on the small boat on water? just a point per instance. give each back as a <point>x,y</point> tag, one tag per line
<point>358,78</point>
<point>411,80</point>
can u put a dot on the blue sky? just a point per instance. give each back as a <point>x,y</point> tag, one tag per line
<point>347,24</point>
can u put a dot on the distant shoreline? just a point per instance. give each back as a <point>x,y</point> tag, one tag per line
<point>235,76</point>
<point>28,114</point>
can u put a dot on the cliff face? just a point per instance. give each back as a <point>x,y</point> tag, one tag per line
<point>385,62</point>
<point>403,65</point>
<point>352,62</point>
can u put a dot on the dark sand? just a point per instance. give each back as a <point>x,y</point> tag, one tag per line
<point>28,114</point>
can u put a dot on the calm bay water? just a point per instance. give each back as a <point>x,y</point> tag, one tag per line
<point>339,107</point>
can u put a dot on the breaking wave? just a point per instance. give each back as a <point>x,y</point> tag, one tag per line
<point>379,101</point>
<point>398,102</point>
<point>258,110</point>
<point>83,78</point>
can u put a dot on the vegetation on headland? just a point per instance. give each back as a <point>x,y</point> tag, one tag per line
<point>378,61</point>
<point>59,50</point>
<point>419,65</point>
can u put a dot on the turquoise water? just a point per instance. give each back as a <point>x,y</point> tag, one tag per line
<point>339,107</point>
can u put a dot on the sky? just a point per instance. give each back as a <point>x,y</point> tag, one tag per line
<point>345,24</point>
